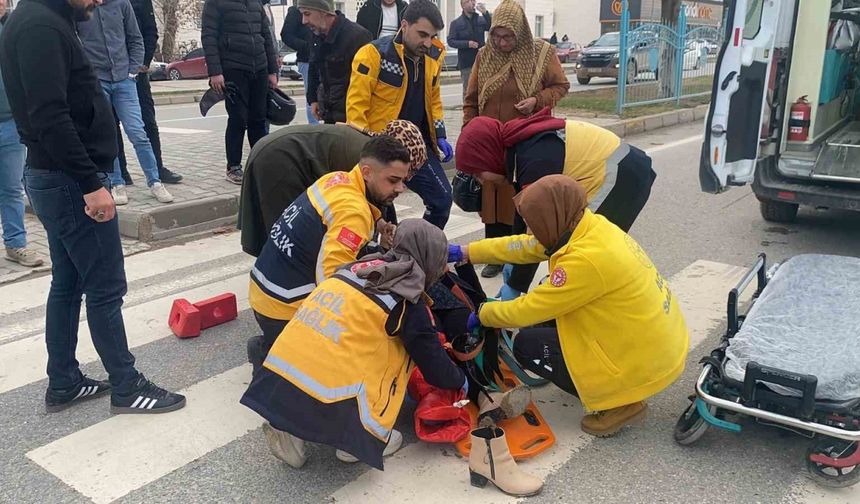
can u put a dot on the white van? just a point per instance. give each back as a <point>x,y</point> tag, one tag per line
<point>775,52</point>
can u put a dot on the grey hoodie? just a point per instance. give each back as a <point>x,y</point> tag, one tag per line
<point>112,41</point>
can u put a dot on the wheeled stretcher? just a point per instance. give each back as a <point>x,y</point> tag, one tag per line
<point>792,361</point>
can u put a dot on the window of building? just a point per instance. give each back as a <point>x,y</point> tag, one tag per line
<point>339,6</point>
<point>539,26</point>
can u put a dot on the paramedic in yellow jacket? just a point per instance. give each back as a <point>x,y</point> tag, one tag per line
<point>398,77</point>
<point>337,374</point>
<point>619,334</point>
<point>617,177</point>
<point>324,228</point>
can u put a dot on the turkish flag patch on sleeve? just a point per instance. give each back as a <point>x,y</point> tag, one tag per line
<point>349,238</point>
<point>558,277</point>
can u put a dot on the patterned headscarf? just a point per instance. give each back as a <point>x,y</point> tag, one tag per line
<point>528,60</point>
<point>410,136</point>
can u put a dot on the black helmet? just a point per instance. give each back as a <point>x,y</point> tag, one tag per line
<point>280,108</point>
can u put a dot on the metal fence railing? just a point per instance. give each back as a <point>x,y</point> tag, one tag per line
<point>663,62</point>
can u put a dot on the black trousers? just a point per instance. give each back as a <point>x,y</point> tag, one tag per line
<point>246,111</point>
<point>271,328</point>
<point>150,125</point>
<point>538,350</point>
<point>621,207</point>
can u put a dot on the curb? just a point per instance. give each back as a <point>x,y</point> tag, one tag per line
<point>642,124</point>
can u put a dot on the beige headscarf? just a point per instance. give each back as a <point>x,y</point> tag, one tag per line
<point>416,261</point>
<point>551,207</point>
<point>528,61</point>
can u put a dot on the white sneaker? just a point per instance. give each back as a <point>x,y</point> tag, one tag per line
<point>120,195</point>
<point>394,444</point>
<point>285,447</point>
<point>160,192</point>
<point>24,257</point>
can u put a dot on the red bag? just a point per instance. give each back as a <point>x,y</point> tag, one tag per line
<point>437,420</point>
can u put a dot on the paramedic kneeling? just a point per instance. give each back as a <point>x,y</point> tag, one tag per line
<point>324,228</point>
<point>619,334</point>
<point>337,374</point>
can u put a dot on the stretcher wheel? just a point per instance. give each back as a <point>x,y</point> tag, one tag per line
<point>829,476</point>
<point>691,426</point>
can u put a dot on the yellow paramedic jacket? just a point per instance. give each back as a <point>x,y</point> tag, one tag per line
<point>378,84</point>
<point>621,330</point>
<point>591,156</point>
<point>323,229</point>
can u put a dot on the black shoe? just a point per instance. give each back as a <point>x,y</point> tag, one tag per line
<point>88,389</point>
<point>127,178</point>
<point>255,352</point>
<point>146,397</point>
<point>235,175</point>
<point>491,270</point>
<point>168,177</point>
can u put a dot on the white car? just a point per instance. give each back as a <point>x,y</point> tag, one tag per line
<point>290,67</point>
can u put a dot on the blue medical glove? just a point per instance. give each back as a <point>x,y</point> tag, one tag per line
<point>473,322</point>
<point>466,386</point>
<point>506,293</point>
<point>506,272</point>
<point>455,253</point>
<point>447,150</point>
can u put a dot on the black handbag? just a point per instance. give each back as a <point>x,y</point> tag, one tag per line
<point>467,192</point>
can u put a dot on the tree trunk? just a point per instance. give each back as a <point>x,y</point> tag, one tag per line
<point>668,51</point>
<point>170,15</point>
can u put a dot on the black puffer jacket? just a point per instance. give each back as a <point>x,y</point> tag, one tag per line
<point>331,67</point>
<point>236,36</point>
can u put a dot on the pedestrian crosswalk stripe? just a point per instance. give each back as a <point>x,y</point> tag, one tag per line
<point>23,361</point>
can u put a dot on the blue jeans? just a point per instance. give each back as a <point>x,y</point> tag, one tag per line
<point>303,69</point>
<point>12,156</point>
<point>123,96</point>
<point>434,188</point>
<point>86,258</point>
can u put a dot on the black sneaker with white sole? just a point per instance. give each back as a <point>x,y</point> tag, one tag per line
<point>146,398</point>
<point>88,389</point>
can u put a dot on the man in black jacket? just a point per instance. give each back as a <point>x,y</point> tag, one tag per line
<point>381,17</point>
<point>240,52</point>
<point>145,16</point>
<point>67,125</point>
<point>299,37</point>
<point>336,40</point>
<point>466,34</point>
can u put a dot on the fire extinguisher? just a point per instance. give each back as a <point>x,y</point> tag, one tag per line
<point>798,124</point>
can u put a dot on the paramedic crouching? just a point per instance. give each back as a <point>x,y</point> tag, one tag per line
<point>337,374</point>
<point>619,336</point>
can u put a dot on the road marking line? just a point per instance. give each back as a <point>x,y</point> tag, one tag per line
<point>31,293</point>
<point>672,145</point>
<point>806,492</point>
<point>701,289</point>
<point>183,131</point>
<point>23,362</point>
<point>112,458</point>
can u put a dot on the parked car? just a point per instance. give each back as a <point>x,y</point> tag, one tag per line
<point>567,51</point>
<point>451,59</point>
<point>191,66</point>
<point>290,67</point>
<point>157,71</point>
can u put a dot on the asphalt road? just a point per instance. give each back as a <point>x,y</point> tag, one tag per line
<point>213,451</point>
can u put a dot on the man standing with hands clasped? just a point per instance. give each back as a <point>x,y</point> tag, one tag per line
<point>467,35</point>
<point>68,127</point>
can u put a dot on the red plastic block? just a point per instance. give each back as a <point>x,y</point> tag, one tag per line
<point>217,310</point>
<point>184,319</point>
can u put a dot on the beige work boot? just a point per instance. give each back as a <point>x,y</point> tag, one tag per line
<point>395,441</point>
<point>490,459</point>
<point>606,423</point>
<point>285,447</point>
<point>510,404</point>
